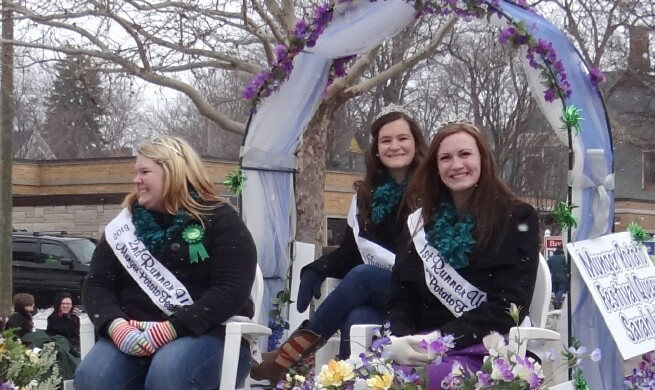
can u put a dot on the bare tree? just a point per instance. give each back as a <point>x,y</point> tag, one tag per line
<point>162,42</point>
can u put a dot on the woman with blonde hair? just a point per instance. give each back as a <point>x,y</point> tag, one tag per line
<point>170,270</point>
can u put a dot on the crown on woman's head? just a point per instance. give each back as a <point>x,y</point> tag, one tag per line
<point>458,121</point>
<point>388,109</point>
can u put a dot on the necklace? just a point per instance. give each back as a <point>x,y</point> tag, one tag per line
<point>385,198</point>
<point>451,234</point>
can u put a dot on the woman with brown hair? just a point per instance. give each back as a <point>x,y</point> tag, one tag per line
<point>473,250</point>
<point>367,252</point>
<point>21,320</point>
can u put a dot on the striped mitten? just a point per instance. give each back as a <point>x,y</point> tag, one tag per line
<point>129,339</point>
<point>159,334</point>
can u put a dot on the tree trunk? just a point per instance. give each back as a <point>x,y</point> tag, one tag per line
<point>310,180</point>
<point>6,156</point>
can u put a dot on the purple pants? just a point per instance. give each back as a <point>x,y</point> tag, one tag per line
<point>470,358</point>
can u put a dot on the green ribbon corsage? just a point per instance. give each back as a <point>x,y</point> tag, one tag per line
<point>193,235</point>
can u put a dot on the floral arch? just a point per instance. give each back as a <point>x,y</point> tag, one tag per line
<point>287,96</point>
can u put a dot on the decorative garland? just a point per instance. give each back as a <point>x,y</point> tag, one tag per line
<point>385,198</point>
<point>148,230</point>
<point>517,34</point>
<point>638,233</point>
<point>452,235</point>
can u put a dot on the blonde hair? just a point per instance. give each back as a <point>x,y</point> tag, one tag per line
<point>183,170</point>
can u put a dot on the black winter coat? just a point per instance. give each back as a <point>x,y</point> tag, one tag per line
<point>506,272</point>
<point>220,285</point>
<point>339,262</point>
<point>67,325</point>
<point>21,322</point>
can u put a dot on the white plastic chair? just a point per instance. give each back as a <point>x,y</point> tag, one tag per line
<point>234,332</point>
<point>538,315</point>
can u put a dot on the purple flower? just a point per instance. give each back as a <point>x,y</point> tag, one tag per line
<point>506,34</point>
<point>549,95</point>
<point>596,76</point>
<point>6,386</point>
<point>300,30</point>
<point>484,378</point>
<point>281,52</point>
<point>501,370</point>
<point>379,343</point>
<point>559,67</point>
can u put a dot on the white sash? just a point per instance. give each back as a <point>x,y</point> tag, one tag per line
<point>443,281</point>
<point>372,253</point>
<point>161,286</point>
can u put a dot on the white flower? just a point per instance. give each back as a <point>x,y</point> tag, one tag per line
<point>495,344</point>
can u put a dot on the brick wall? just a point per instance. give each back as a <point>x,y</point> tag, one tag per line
<point>88,220</point>
<point>68,195</point>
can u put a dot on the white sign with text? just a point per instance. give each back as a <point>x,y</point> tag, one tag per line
<point>621,278</point>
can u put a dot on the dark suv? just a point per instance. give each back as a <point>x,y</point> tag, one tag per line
<point>44,264</point>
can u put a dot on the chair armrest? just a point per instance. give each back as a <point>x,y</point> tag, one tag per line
<point>361,337</point>
<point>247,328</point>
<point>519,337</point>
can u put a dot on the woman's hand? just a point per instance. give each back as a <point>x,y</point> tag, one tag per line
<point>129,339</point>
<point>405,350</point>
<point>157,334</point>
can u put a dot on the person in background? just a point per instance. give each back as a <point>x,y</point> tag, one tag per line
<point>171,270</point>
<point>63,321</point>
<point>367,252</point>
<point>557,266</point>
<point>21,319</point>
<point>471,233</point>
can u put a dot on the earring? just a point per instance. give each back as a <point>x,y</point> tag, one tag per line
<point>377,154</point>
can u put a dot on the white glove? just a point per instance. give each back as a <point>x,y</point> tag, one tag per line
<point>405,350</point>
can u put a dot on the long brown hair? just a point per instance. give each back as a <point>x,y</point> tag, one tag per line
<point>183,171</point>
<point>376,172</point>
<point>491,200</point>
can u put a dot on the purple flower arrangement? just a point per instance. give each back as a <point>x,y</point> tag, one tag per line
<point>642,377</point>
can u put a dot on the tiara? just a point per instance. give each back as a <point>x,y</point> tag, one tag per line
<point>168,146</point>
<point>458,121</point>
<point>393,108</point>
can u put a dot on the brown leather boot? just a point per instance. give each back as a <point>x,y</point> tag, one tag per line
<point>275,364</point>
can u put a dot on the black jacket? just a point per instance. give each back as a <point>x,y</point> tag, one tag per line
<point>557,266</point>
<point>220,285</point>
<point>339,262</point>
<point>67,325</point>
<point>506,272</point>
<point>21,322</point>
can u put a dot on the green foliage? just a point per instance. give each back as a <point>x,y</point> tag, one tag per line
<point>638,233</point>
<point>235,180</point>
<point>27,368</point>
<point>563,216</point>
<point>572,119</point>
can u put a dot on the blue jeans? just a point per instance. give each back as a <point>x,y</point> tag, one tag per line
<point>360,298</point>
<point>559,289</point>
<point>185,363</point>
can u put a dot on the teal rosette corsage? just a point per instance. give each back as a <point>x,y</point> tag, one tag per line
<point>193,235</point>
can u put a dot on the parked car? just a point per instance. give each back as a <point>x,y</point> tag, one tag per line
<point>45,263</point>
